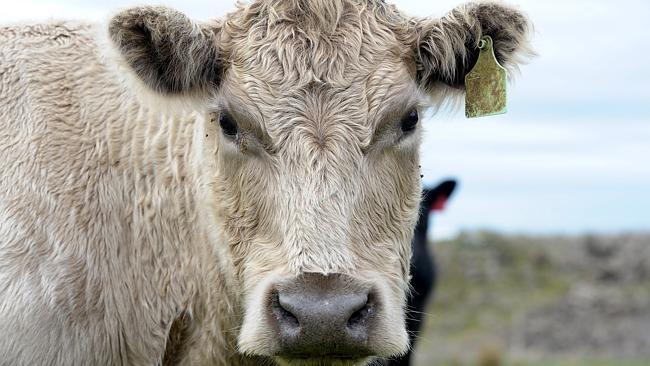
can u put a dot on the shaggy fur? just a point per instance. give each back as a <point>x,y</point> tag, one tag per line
<point>448,47</point>
<point>166,50</point>
<point>132,233</point>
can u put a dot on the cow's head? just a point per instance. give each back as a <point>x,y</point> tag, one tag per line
<point>312,154</point>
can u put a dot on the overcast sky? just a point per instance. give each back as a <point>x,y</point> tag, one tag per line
<point>573,154</point>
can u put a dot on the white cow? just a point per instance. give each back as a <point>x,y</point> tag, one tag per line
<point>236,192</point>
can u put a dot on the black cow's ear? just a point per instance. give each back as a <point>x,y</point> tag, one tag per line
<point>434,199</point>
<point>166,50</point>
<point>447,48</point>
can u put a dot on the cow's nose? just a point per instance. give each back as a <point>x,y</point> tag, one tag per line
<point>324,316</point>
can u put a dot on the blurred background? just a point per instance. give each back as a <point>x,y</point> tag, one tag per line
<point>544,250</point>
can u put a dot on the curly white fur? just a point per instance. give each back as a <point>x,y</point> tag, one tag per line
<point>134,233</point>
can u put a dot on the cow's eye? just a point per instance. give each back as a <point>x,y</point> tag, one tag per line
<point>228,127</point>
<point>410,122</point>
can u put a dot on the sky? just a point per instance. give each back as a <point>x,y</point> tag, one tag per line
<point>572,156</point>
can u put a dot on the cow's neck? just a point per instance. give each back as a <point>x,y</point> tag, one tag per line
<point>153,145</point>
<point>158,157</point>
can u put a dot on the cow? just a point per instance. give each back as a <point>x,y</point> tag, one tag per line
<point>424,272</point>
<point>240,191</point>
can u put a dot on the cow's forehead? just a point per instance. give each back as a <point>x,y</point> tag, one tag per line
<point>322,112</point>
<point>293,67</point>
<point>290,43</point>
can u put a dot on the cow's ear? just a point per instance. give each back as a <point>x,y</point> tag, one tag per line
<point>447,48</point>
<point>435,199</point>
<point>166,50</point>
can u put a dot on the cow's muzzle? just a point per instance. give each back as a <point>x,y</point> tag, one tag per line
<point>323,316</point>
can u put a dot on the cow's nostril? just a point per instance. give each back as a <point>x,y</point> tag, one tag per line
<point>286,319</point>
<point>358,318</point>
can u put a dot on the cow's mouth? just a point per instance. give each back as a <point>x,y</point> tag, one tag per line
<point>324,361</point>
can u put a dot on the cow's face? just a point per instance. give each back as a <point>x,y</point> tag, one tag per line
<point>314,142</point>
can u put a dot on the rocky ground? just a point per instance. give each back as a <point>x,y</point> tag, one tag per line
<point>521,299</point>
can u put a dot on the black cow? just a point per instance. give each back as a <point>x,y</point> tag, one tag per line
<point>423,266</point>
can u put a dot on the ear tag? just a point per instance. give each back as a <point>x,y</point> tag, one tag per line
<point>486,85</point>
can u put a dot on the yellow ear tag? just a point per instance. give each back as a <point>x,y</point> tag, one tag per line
<point>486,85</point>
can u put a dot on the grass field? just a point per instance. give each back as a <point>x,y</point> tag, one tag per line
<point>556,363</point>
<point>512,300</point>
<point>590,363</point>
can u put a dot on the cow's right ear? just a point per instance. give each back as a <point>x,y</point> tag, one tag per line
<point>166,50</point>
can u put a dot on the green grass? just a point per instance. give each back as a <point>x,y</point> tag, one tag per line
<point>587,363</point>
<point>492,287</point>
<point>558,363</point>
<point>487,282</point>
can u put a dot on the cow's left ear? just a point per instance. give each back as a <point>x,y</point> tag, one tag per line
<point>448,48</point>
<point>167,51</point>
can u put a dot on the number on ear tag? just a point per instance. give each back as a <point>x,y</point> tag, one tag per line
<point>486,85</point>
